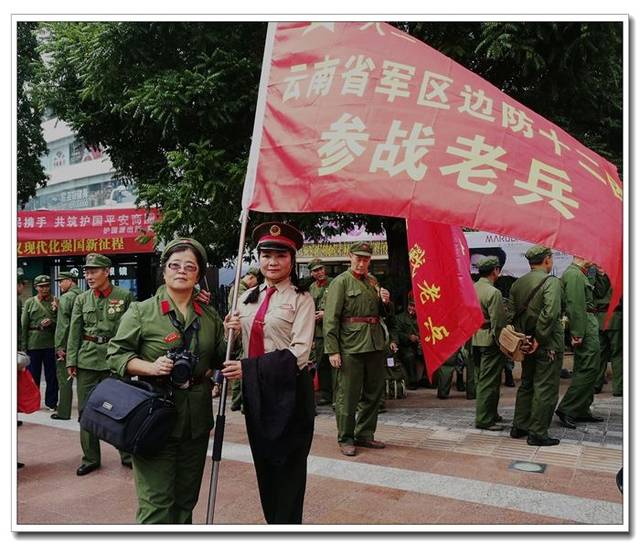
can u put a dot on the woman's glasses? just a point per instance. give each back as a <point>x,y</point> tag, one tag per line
<point>177,266</point>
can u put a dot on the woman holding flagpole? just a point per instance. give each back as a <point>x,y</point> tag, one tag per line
<point>276,323</point>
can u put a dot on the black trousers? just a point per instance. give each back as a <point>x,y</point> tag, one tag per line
<point>46,358</point>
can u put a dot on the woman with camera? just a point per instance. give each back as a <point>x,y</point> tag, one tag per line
<point>173,343</point>
<point>276,321</point>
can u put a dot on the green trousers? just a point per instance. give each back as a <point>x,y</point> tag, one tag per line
<point>168,484</point>
<point>236,392</point>
<point>408,357</point>
<point>65,390</point>
<point>489,376</point>
<point>537,394</point>
<point>472,365</point>
<point>444,376</point>
<point>610,351</point>
<point>324,370</point>
<point>577,401</point>
<point>86,380</point>
<point>360,380</point>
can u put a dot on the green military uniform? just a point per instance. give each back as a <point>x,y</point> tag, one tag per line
<point>471,369</point>
<point>484,341</point>
<point>326,376</point>
<point>94,321</point>
<point>168,483</point>
<point>65,381</point>
<point>580,309</point>
<point>444,375</point>
<point>610,337</point>
<point>410,352</point>
<point>349,303</point>
<point>540,382</point>
<point>37,331</point>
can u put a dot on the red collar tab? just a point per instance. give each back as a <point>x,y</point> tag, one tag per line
<point>43,298</point>
<point>358,275</point>
<point>322,283</point>
<point>197,308</point>
<point>165,307</point>
<point>103,293</point>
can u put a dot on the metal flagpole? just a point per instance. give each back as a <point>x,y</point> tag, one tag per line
<point>247,194</point>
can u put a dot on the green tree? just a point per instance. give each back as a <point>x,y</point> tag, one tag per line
<point>30,145</point>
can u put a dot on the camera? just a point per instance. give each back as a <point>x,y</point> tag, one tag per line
<point>184,363</point>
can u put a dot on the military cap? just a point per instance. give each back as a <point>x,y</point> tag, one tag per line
<point>199,250</point>
<point>253,271</point>
<point>42,279</point>
<point>276,236</point>
<point>72,274</point>
<point>361,249</point>
<point>21,278</point>
<point>96,260</point>
<point>537,253</point>
<point>314,264</point>
<point>488,263</point>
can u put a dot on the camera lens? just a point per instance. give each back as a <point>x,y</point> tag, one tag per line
<point>181,372</point>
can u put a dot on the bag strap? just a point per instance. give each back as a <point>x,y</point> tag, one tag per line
<point>46,312</point>
<point>526,303</point>
<point>187,334</point>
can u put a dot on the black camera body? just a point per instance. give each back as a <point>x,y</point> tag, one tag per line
<point>184,364</point>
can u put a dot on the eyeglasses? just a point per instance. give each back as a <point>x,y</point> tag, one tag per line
<point>177,266</point>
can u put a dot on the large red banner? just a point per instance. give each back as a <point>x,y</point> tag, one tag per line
<point>75,232</point>
<point>364,118</point>
<point>447,306</point>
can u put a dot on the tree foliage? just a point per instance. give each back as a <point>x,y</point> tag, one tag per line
<point>30,143</point>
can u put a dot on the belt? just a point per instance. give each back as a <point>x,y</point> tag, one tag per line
<point>367,320</point>
<point>36,328</point>
<point>96,339</point>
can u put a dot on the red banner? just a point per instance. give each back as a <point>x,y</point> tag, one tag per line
<point>75,232</point>
<point>364,118</point>
<point>447,306</point>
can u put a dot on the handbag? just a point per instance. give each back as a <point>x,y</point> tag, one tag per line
<point>29,397</point>
<point>130,415</point>
<point>513,343</point>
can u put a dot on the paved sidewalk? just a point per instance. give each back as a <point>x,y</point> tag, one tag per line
<point>436,470</point>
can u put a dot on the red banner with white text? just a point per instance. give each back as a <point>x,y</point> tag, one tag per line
<point>77,232</point>
<point>447,307</point>
<point>361,117</point>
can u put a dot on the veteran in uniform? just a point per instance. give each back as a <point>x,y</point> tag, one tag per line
<point>318,290</point>
<point>355,342</point>
<point>168,483</point>
<point>69,288</point>
<point>579,305</point>
<point>38,331</point>
<point>409,348</point>
<point>20,284</point>
<point>610,337</point>
<point>537,394</point>
<point>249,280</point>
<point>94,320</point>
<point>485,345</point>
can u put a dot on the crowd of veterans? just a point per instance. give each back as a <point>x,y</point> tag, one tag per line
<point>344,332</point>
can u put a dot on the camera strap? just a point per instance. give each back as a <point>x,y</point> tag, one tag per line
<point>187,334</point>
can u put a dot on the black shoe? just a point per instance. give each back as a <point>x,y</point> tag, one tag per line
<point>322,402</point>
<point>235,406</point>
<point>57,417</point>
<point>128,464</point>
<point>85,469</point>
<point>20,422</point>
<point>20,465</point>
<point>499,419</point>
<point>508,379</point>
<point>565,420</point>
<point>544,442</point>
<point>597,390</point>
<point>518,432</point>
<point>589,419</point>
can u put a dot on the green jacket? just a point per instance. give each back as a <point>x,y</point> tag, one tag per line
<point>319,295</point>
<point>542,317</point>
<point>146,332</point>
<point>602,293</point>
<point>578,300</point>
<point>406,325</point>
<point>351,297</point>
<point>65,308</point>
<point>94,316</point>
<point>494,312</point>
<point>33,313</point>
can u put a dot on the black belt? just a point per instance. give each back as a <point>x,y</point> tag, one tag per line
<point>97,339</point>
<point>366,320</point>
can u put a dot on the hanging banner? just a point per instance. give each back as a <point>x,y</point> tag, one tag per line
<point>447,307</point>
<point>75,232</point>
<point>361,117</point>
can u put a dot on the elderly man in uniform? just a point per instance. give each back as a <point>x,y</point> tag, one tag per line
<point>610,337</point>
<point>68,282</point>
<point>485,345</point>
<point>580,309</point>
<point>38,329</point>
<point>318,290</point>
<point>409,348</point>
<point>94,321</point>
<point>535,303</point>
<point>355,342</point>
<point>248,280</point>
